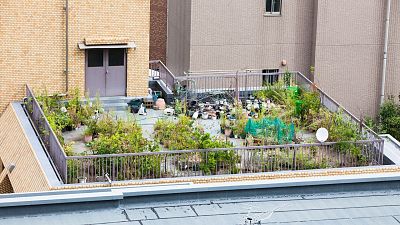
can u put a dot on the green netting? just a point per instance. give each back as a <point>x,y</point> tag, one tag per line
<point>294,91</point>
<point>272,128</point>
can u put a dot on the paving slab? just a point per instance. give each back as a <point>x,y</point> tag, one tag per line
<point>171,212</point>
<point>141,214</point>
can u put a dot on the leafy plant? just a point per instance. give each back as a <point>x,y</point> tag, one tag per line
<point>276,92</point>
<point>180,107</point>
<point>287,77</point>
<point>117,136</point>
<point>74,107</point>
<point>183,135</point>
<point>309,106</point>
<point>389,116</point>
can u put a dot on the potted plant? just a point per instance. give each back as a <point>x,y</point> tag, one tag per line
<point>223,124</point>
<point>235,130</point>
<point>82,180</point>
<point>88,135</point>
<point>228,129</point>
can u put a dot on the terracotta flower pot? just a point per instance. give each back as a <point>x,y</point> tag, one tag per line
<point>88,138</point>
<point>160,103</point>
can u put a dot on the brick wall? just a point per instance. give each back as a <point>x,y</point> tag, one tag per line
<point>349,52</point>
<point>28,175</point>
<point>33,43</point>
<point>158,30</point>
<point>5,186</point>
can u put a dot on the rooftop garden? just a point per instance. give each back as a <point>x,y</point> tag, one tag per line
<point>274,129</point>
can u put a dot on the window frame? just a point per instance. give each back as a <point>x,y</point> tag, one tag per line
<point>271,12</point>
<point>270,79</point>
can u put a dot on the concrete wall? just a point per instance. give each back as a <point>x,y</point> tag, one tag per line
<point>232,35</point>
<point>179,32</point>
<point>33,43</point>
<point>349,52</point>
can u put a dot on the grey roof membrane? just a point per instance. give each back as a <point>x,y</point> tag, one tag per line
<point>356,208</point>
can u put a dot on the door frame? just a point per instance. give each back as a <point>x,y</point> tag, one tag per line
<point>105,65</point>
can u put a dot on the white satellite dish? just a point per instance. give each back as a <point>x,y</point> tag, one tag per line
<point>322,135</point>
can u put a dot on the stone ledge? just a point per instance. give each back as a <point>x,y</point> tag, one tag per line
<point>273,176</point>
<point>106,41</point>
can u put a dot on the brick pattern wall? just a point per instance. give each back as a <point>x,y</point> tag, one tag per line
<point>28,175</point>
<point>235,35</point>
<point>349,52</point>
<point>5,186</point>
<point>33,43</point>
<point>118,19</point>
<point>158,30</point>
<point>32,40</point>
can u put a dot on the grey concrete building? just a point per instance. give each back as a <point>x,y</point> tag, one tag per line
<point>342,40</point>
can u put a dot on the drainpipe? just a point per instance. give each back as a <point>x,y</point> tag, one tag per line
<point>66,45</point>
<point>385,51</point>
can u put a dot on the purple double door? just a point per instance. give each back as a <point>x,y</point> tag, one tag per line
<point>106,72</point>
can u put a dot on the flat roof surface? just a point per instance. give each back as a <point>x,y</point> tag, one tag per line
<point>374,203</point>
<point>356,209</point>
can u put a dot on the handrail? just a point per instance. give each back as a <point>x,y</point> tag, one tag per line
<point>191,76</point>
<point>341,107</point>
<point>266,147</point>
<point>164,66</point>
<point>45,118</point>
<point>61,166</point>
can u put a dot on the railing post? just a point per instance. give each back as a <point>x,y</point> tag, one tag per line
<point>294,158</point>
<point>237,87</point>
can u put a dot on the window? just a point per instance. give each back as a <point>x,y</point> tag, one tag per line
<point>116,57</point>
<point>273,7</point>
<point>95,57</point>
<point>270,78</point>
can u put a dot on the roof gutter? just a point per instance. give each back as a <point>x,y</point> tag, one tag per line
<point>385,52</point>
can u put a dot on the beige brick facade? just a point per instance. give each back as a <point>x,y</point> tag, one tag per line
<point>32,35</point>
<point>5,186</point>
<point>28,175</point>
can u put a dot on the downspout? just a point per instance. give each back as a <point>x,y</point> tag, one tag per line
<point>66,45</point>
<point>385,52</point>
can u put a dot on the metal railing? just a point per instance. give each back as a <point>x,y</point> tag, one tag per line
<point>242,84</point>
<point>189,163</point>
<point>51,143</point>
<point>158,71</point>
<point>204,162</point>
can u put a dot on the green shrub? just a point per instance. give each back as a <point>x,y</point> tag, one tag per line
<point>277,92</point>
<point>390,118</point>
<point>310,105</point>
<point>117,136</point>
<point>181,135</point>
